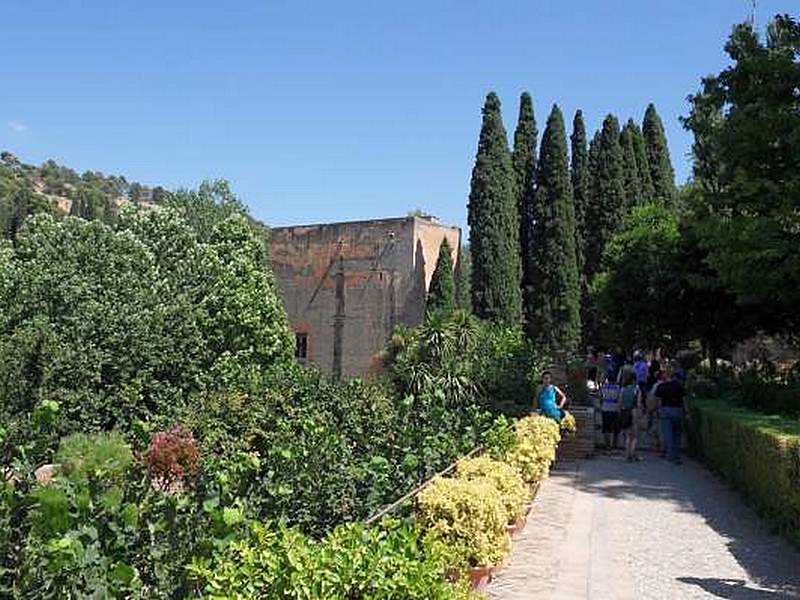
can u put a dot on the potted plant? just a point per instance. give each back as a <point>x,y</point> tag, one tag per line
<point>469,517</point>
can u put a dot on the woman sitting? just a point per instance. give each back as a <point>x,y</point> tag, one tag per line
<point>546,395</point>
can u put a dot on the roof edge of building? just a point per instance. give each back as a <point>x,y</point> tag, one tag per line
<point>429,220</point>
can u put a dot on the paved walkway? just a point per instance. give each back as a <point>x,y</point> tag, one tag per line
<point>604,529</point>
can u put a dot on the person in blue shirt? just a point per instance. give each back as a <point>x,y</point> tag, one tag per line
<point>550,399</point>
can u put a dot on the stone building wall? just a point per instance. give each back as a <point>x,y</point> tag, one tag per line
<point>346,285</point>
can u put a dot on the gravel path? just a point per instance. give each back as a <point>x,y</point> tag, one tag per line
<point>604,529</point>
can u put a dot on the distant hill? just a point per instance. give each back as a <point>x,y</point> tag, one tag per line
<point>27,189</point>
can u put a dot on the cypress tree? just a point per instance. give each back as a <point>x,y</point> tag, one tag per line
<point>462,275</point>
<point>642,164</point>
<point>607,197</point>
<point>442,290</point>
<point>553,306</point>
<point>579,171</point>
<point>630,180</point>
<point>494,224</point>
<point>524,159</point>
<point>661,172</point>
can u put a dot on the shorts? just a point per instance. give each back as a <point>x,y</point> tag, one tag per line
<point>610,421</point>
<point>626,421</point>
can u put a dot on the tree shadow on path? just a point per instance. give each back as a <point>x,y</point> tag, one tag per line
<point>733,589</point>
<point>768,559</point>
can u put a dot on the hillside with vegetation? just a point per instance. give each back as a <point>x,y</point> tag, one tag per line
<point>27,189</point>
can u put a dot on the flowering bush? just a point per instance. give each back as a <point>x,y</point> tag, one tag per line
<point>537,438</point>
<point>466,516</point>
<point>172,456</point>
<point>568,424</point>
<point>503,476</point>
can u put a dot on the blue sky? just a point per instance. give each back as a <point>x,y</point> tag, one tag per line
<point>323,111</point>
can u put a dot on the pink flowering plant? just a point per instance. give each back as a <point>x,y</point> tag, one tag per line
<point>173,457</point>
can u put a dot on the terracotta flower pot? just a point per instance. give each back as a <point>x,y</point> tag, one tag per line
<point>498,566</point>
<point>534,489</point>
<point>479,577</point>
<point>515,529</point>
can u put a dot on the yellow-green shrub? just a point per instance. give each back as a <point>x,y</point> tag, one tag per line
<point>467,516</point>
<point>758,454</point>
<point>537,438</point>
<point>503,476</point>
<point>568,423</point>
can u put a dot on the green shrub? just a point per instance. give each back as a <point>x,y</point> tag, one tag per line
<point>466,516</point>
<point>758,454</point>
<point>764,389</point>
<point>102,456</point>
<point>388,561</point>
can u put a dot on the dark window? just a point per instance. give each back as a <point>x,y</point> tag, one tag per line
<point>301,346</point>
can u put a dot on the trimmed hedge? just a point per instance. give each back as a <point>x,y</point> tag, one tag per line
<point>759,454</point>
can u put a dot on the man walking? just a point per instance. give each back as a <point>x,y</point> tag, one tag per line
<point>671,395</point>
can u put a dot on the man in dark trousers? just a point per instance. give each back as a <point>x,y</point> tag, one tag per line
<point>671,396</point>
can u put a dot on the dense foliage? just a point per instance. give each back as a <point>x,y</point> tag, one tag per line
<point>746,126</point>
<point>580,176</point>
<point>631,181</point>
<point>121,325</point>
<point>607,204</point>
<point>657,289</point>
<point>52,188</point>
<point>165,327</point>
<point>662,174</point>
<point>462,276</point>
<point>494,224</point>
<point>524,159</point>
<point>389,561</point>
<point>442,289</point>
<point>553,302</point>
<point>757,454</point>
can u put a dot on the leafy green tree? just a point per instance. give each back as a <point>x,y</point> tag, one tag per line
<point>442,290</point>
<point>524,158</point>
<point>579,171</point>
<point>658,290</point>
<point>553,304</point>
<point>746,125</point>
<point>210,204</point>
<point>639,290</point>
<point>20,203</point>
<point>631,182</point>
<point>90,203</point>
<point>462,280</point>
<point>607,203</point>
<point>494,224</point>
<point>642,164</point>
<point>661,172</point>
<point>121,326</point>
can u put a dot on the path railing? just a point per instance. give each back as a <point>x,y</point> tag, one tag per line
<point>408,496</point>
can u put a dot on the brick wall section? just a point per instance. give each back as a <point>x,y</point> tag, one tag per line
<point>383,268</point>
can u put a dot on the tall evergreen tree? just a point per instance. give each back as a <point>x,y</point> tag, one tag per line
<point>442,290</point>
<point>642,164</point>
<point>553,306</point>
<point>462,279</point>
<point>494,224</point>
<point>661,172</point>
<point>607,198</point>
<point>633,187</point>
<point>524,158</point>
<point>579,171</point>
